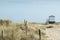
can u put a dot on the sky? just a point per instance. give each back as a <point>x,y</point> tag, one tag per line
<point>31,10</point>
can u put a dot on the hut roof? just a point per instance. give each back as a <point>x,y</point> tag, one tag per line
<point>51,16</point>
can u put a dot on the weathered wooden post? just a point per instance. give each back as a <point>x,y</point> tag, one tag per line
<point>2,35</point>
<point>26,27</point>
<point>39,34</point>
<point>12,35</point>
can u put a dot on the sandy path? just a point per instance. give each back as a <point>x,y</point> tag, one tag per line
<point>53,33</point>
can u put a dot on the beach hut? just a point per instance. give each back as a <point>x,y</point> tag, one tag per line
<point>51,19</point>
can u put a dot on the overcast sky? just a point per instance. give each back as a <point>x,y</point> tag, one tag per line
<point>31,10</point>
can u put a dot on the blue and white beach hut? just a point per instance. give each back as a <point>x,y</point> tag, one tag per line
<point>51,19</point>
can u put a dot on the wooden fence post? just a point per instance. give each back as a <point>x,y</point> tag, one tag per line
<point>39,34</point>
<point>26,27</point>
<point>12,35</point>
<point>2,35</point>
